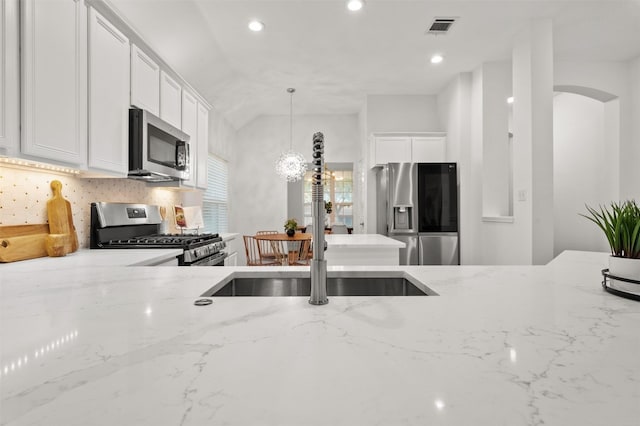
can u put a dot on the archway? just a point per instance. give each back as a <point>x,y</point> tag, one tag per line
<point>586,151</point>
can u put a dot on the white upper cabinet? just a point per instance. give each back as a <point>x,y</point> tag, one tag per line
<point>108,96</point>
<point>9,79</point>
<point>145,81</point>
<point>428,149</point>
<point>203,146</point>
<point>407,148</point>
<point>392,150</point>
<point>54,80</point>
<point>170,100</point>
<point>190,127</point>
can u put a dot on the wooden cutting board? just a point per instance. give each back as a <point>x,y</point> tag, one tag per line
<point>63,238</point>
<point>20,242</point>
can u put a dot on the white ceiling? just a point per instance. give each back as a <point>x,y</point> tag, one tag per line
<point>334,57</point>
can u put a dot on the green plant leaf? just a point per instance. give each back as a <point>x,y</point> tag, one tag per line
<point>620,223</point>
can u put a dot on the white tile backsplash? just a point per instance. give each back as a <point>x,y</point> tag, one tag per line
<point>24,194</point>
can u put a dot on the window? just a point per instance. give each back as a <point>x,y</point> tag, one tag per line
<point>338,188</point>
<point>215,209</point>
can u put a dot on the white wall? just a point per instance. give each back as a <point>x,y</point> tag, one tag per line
<point>402,113</point>
<point>258,194</point>
<point>222,136</point>
<point>394,113</point>
<point>360,172</point>
<point>476,103</point>
<point>458,114</point>
<point>630,151</point>
<point>494,241</point>
<point>580,150</point>
<point>615,79</point>
<point>496,88</point>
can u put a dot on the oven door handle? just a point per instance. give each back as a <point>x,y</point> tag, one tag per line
<point>213,260</point>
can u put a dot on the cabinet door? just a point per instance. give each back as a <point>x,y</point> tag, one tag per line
<point>190,127</point>
<point>392,150</point>
<point>428,150</point>
<point>203,146</point>
<point>145,81</point>
<point>9,81</point>
<point>54,89</point>
<point>170,100</point>
<point>108,96</point>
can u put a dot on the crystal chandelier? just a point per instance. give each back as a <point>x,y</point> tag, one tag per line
<point>291,165</point>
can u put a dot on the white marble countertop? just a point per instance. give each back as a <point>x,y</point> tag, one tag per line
<point>226,236</point>
<point>500,345</point>
<point>88,258</point>
<point>362,241</point>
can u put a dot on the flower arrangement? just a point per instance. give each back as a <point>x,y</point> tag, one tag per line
<point>621,225</point>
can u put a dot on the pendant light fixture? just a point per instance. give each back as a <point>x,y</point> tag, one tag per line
<point>291,165</point>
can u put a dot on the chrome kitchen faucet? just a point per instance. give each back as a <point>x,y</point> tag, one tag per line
<point>318,262</point>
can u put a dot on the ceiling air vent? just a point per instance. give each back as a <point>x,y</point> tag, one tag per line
<point>441,25</point>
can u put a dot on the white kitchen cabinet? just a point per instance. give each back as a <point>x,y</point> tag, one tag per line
<point>54,80</point>
<point>170,100</point>
<point>145,81</point>
<point>9,79</point>
<point>109,64</point>
<point>231,259</point>
<point>190,127</point>
<point>428,149</point>
<point>203,146</point>
<point>392,150</point>
<point>407,148</point>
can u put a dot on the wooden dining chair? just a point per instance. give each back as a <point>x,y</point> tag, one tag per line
<point>253,253</point>
<point>264,247</point>
<point>304,255</point>
<point>293,253</point>
<point>280,251</point>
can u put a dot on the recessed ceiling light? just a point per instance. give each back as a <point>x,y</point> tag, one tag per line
<point>510,100</point>
<point>355,5</point>
<point>436,59</point>
<point>256,25</point>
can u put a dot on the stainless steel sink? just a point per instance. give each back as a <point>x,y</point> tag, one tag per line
<point>266,287</point>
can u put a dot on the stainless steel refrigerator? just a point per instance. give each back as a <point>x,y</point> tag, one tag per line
<point>417,203</point>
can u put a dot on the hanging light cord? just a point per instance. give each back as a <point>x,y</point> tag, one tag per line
<point>291,92</point>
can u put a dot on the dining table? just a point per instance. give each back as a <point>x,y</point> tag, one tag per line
<point>294,245</point>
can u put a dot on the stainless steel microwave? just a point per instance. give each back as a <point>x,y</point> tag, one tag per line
<point>158,152</point>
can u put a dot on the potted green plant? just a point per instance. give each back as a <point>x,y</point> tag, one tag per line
<point>328,206</point>
<point>290,227</point>
<point>620,223</point>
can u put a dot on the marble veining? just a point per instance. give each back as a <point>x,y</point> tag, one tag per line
<point>512,345</point>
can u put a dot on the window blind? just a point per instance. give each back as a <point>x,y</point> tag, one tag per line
<point>215,209</point>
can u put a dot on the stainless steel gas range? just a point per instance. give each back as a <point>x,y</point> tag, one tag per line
<point>136,226</point>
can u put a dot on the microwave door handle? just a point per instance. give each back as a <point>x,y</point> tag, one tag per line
<point>181,155</point>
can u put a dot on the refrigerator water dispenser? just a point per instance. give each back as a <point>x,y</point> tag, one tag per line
<point>402,218</point>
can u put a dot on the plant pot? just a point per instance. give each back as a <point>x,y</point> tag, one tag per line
<point>624,267</point>
<point>291,232</point>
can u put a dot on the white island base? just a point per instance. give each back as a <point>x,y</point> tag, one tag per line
<point>362,249</point>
